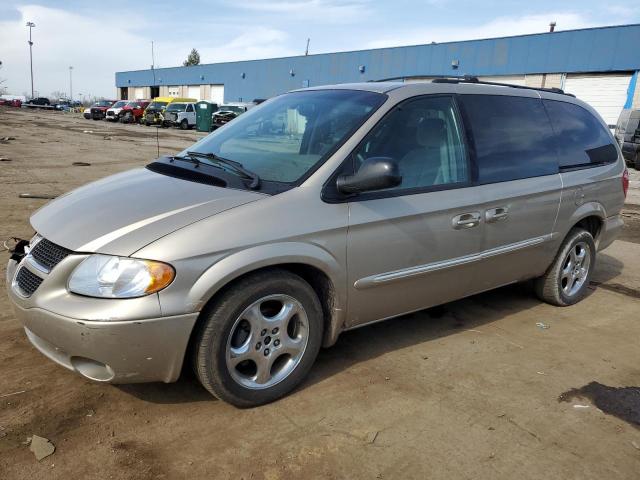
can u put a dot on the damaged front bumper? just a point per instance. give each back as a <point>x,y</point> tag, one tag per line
<point>95,339</point>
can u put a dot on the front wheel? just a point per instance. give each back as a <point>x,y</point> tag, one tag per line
<point>259,340</point>
<point>567,279</point>
<point>184,125</point>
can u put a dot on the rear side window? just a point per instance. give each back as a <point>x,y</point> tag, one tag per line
<point>513,137</point>
<point>582,140</point>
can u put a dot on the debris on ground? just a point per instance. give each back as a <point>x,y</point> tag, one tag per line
<point>543,326</point>
<point>45,196</point>
<point>580,406</point>
<point>81,164</point>
<point>11,394</point>
<point>372,436</point>
<point>41,447</point>
<point>5,159</point>
<point>635,444</point>
<point>87,131</point>
<point>6,139</point>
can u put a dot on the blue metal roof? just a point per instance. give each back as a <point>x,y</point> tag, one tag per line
<point>600,49</point>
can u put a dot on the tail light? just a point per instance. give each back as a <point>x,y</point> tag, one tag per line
<point>625,182</point>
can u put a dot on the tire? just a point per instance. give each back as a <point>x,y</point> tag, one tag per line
<point>636,162</point>
<point>184,125</point>
<point>242,354</point>
<point>565,282</point>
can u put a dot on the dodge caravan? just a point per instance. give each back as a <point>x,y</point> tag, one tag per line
<point>316,212</point>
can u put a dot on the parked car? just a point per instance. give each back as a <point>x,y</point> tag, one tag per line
<point>628,135</point>
<point>11,102</point>
<point>99,109</point>
<point>133,111</point>
<point>181,115</point>
<point>226,113</point>
<point>236,251</point>
<point>39,101</point>
<point>154,113</point>
<point>113,113</point>
<point>86,113</point>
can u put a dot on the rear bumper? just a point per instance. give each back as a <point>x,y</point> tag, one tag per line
<point>610,231</point>
<point>114,352</point>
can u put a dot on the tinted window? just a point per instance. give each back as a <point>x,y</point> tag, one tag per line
<point>424,137</point>
<point>513,137</point>
<point>581,139</point>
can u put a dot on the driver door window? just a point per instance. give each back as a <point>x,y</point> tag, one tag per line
<point>425,138</point>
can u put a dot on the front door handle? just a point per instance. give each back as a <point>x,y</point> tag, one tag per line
<point>496,214</point>
<point>466,220</point>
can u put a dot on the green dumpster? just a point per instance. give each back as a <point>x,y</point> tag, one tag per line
<point>204,110</point>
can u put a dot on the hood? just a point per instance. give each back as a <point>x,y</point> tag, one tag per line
<point>120,214</point>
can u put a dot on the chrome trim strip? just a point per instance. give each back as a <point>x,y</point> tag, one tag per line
<point>382,278</point>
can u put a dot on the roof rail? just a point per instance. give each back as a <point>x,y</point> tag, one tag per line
<point>473,79</point>
<point>470,79</point>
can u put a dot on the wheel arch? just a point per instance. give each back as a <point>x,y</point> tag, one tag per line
<point>590,216</point>
<point>313,264</point>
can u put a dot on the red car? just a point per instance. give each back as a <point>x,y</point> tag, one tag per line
<point>132,111</point>
<point>99,109</point>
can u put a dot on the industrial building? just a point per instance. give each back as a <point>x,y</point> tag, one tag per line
<point>598,65</point>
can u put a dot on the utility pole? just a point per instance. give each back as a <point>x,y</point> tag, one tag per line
<point>70,84</point>
<point>552,26</point>
<point>153,64</point>
<point>306,52</point>
<point>31,25</point>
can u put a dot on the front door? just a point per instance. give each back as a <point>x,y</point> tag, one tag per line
<point>415,245</point>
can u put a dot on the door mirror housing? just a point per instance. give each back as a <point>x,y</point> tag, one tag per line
<point>375,173</point>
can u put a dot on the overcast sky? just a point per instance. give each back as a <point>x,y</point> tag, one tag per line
<point>99,38</point>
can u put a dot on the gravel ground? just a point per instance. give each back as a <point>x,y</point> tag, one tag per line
<point>472,389</point>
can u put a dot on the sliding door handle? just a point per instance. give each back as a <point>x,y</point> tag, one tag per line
<point>496,214</point>
<point>466,220</point>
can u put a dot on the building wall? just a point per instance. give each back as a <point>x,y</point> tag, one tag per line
<point>589,50</point>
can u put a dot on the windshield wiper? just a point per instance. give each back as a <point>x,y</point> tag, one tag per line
<point>233,165</point>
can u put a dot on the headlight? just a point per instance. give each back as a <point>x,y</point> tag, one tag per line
<point>107,276</point>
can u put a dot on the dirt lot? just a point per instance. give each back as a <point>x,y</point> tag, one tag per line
<point>474,389</point>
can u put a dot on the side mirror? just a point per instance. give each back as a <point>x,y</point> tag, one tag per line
<point>375,173</point>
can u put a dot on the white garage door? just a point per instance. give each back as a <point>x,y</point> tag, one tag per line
<point>512,79</point>
<point>605,93</point>
<point>139,93</point>
<point>217,94</point>
<point>194,92</point>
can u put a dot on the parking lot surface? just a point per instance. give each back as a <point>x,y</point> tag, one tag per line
<point>498,385</point>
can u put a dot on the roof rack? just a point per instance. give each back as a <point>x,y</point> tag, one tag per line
<point>472,79</point>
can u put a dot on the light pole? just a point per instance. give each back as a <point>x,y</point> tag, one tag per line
<point>70,85</point>
<point>31,25</point>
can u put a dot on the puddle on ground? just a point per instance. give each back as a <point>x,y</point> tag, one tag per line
<point>621,402</point>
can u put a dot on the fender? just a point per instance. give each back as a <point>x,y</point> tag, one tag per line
<point>244,261</point>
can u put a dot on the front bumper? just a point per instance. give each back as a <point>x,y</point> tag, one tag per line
<point>114,351</point>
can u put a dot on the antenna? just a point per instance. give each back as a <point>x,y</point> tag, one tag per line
<point>158,140</point>
<point>306,52</point>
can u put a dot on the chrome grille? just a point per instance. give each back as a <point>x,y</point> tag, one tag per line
<point>27,281</point>
<point>48,254</point>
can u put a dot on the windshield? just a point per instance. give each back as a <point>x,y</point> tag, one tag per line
<point>104,103</point>
<point>119,104</point>
<point>285,137</point>
<point>177,107</point>
<point>231,108</point>
<point>157,105</point>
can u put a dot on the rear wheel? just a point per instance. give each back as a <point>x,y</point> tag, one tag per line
<point>567,279</point>
<point>184,125</point>
<point>259,339</point>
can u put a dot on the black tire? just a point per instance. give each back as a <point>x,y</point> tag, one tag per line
<point>215,331</point>
<point>552,286</point>
<point>636,161</point>
<point>184,124</point>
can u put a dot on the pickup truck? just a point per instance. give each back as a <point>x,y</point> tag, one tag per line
<point>112,114</point>
<point>133,111</point>
<point>99,109</point>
